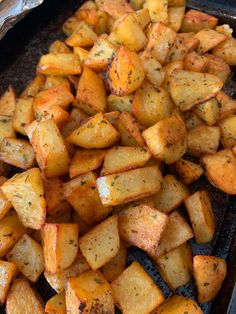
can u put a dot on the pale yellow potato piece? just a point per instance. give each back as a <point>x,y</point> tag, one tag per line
<point>209,39</point>
<point>23,115</point>
<point>82,36</point>
<point>208,111</point>
<point>187,171</point>
<point>217,66</point>
<point>7,272</point>
<point>227,105</point>
<point>119,103</point>
<point>56,304</point>
<point>6,128</point>
<point>56,80</point>
<point>135,291</point>
<point>177,51</point>
<point>192,120</point>
<point>5,205</point>
<point>175,17</point>
<point>158,10</point>
<point>226,50</point>
<point>76,118</point>
<point>116,9</point>
<point>115,189</point>
<point>228,131</point>
<point>143,17</point>
<point>8,102</point>
<point>70,25</point>
<point>168,69</point>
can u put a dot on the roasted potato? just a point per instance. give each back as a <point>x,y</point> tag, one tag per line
<point>56,305</point>
<point>187,171</point>
<point>175,17</point>
<point>208,39</point>
<point>195,62</point>
<point>158,10</point>
<point>7,273</point>
<point>6,128</point>
<point>208,111</point>
<point>116,9</point>
<point>5,205</point>
<point>228,131</point>
<point>119,103</point>
<point>217,66</point>
<point>226,50</point>
<point>227,105</point>
<point>23,115</point>
<point>34,87</point>
<point>8,102</point>
<point>82,36</point>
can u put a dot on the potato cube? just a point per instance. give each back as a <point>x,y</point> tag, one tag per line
<point>227,105</point>
<point>88,293</point>
<point>220,168</point>
<point>171,195</point>
<point>56,304</point>
<point>176,15</point>
<point>6,128</point>
<point>96,132</point>
<point>176,233</point>
<point>217,66</point>
<point>101,243</point>
<point>143,17</point>
<point>177,51</point>
<point>76,118</point>
<point>70,25</point>
<point>82,36</point>
<point>8,102</point>
<point>192,120</point>
<point>91,94</point>
<point>201,215</point>
<point>195,62</point>
<point>224,29</point>
<point>27,255</point>
<point>116,8</point>
<point>158,10</point>
<point>119,103</point>
<point>82,54</point>
<point>168,69</point>
<point>25,192</point>
<point>58,47</point>
<point>203,139</point>
<point>115,189</point>
<point>187,171</point>
<point>7,272</point>
<point>209,273</point>
<point>226,50</point>
<point>208,39</point>
<point>208,111</point>
<point>126,73</point>
<point>34,87</point>
<point>135,291</point>
<point>176,266</point>
<point>23,115</point>
<point>228,131</point>
<point>167,139</point>
<point>192,88</point>
<point>5,205</point>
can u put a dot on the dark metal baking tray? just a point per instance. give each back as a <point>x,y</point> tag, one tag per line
<point>20,50</point>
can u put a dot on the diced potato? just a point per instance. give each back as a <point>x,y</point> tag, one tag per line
<point>120,158</point>
<point>116,8</point>
<point>112,117</point>
<point>7,272</point>
<point>96,132</point>
<point>143,17</point>
<point>82,194</point>
<point>112,269</point>
<point>217,66</point>
<point>177,51</point>
<point>220,168</point>
<point>60,245</point>
<point>58,281</point>
<point>82,36</point>
<point>91,94</point>
<point>176,266</point>
<point>25,192</point>
<point>187,171</point>
<point>119,103</point>
<point>82,53</point>
<point>101,243</point>
<point>76,118</point>
<point>208,111</point>
<point>178,304</point>
<point>175,15</point>
<point>208,39</point>
<point>5,205</point>
<point>168,69</point>
<point>228,131</point>
<point>56,304</point>
<point>23,115</point>
<point>203,139</point>
<point>195,62</point>
<point>150,105</point>
<point>34,87</point>
<point>135,291</point>
<point>194,21</point>
<point>8,102</point>
<point>27,255</point>
<point>126,73</point>
<point>6,128</point>
<point>70,25</point>
<point>11,230</point>
<point>167,139</point>
<point>115,189</point>
<point>129,130</point>
<point>192,88</point>
<point>142,226</point>
<point>224,29</point>
<point>227,105</point>
<point>59,64</point>
<point>192,120</point>
<point>158,10</point>
<point>51,152</point>
<point>56,80</point>
<point>58,46</point>
<point>209,273</point>
<point>171,195</point>
<point>226,50</point>
<point>89,293</point>
<point>161,39</point>
<point>176,233</point>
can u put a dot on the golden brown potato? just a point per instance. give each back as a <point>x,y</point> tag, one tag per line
<point>126,73</point>
<point>115,189</point>
<point>56,304</point>
<point>54,80</point>
<point>227,105</point>
<point>176,233</point>
<point>6,128</point>
<point>175,15</point>
<point>228,131</point>
<point>195,21</point>
<point>220,168</point>
<point>82,53</point>
<point>5,205</point>
<point>7,272</point>
<point>168,69</point>
<point>112,117</point>
<point>201,215</point>
<point>226,50</point>
<point>224,29</point>
<point>158,10</point>
<point>203,139</point>
<point>34,87</point>
<point>176,266</point>
<point>116,9</point>
<point>167,139</point>
<point>143,17</point>
<point>177,51</point>
<point>187,171</point>
<point>208,39</point>
<point>70,25</point>
<point>8,102</point>
<point>209,273</point>
<point>217,66</point>
<point>27,255</point>
<point>91,94</point>
<point>76,118</point>
<point>171,195</point>
<point>23,115</point>
<point>60,245</point>
<point>58,46</point>
<point>195,62</point>
<point>142,226</point>
<point>208,111</point>
<point>119,103</point>
<point>25,192</point>
<point>89,293</point>
<point>192,120</point>
<point>96,132</point>
<point>101,243</point>
<point>135,291</point>
<point>192,88</point>
<point>82,36</point>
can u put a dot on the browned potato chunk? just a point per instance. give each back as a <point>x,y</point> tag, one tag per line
<point>7,272</point>
<point>167,139</point>
<point>217,66</point>
<point>23,115</point>
<point>56,305</point>
<point>82,36</point>
<point>116,9</point>
<point>27,255</point>
<point>220,168</point>
<point>192,88</point>
<point>5,205</point>
<point>135,291</point>
<point>34,87</point>
<point>119,103</point>
<point>8,102</point>
<point>115,189</point>
<point>158,10</point>
<point>227,105</point>
<point>187,171</point>
<point>171,195</point>
<point>199,208</point>
<point>226,50</point>
<point>203,139</point>
<point>228,131</point>
<point>177,51</point>
<point>60,245</point>
<point>126,73</point>
<point>208,111</point>
<point>25,192</point>
<point>142,226</point>
<point>76,118</point>
<point>70,25</point>
<point>208,39</point>
<point>209,273</point>
<point>195,62</point>
<point>58,46</point>
<point>6,128</point>
<point>82,53</point>
<point>168,69</point>
<point>192,120</point>
<point>143,17</point>
<point>176,15</point>
<point>176,266</point>
<point>89,293</point>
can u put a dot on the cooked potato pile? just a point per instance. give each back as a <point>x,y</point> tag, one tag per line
<point>120,118</point>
